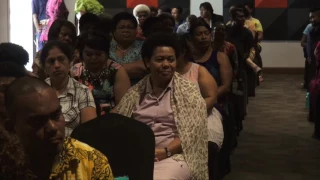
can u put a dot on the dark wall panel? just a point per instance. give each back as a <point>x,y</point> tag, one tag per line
<point>280,23</point>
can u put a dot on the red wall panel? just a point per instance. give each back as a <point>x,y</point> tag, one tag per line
<point>271,3</point>
<point>133,3</point>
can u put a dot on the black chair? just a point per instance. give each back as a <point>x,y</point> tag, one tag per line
<point>128,144</point>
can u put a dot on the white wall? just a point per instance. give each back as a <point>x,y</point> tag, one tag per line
<point>19,23</point>
<point>216,4</point>
<point>70,6</point>
<point>4,21</point>
<point>282,54</point>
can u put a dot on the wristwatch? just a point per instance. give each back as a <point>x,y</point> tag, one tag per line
<point>168,153</point>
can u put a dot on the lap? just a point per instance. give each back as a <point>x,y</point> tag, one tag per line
<point>170,169</point>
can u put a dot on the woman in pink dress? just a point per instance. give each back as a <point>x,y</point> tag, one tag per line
<point>174,109</point>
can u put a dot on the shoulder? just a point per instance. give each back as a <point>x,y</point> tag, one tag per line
<point>180,80</point>
<point>90,158</point>
<point>78,144</point>
<point>309,26</point>
<point>256,20</point>
<point>202,70</point>
<point>138,43</point>
<point>78,86</point>
<point>221,55</point>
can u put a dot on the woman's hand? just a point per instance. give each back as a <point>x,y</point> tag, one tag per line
<point>160,154</point>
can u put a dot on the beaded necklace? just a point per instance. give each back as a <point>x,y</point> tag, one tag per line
<point>96,81</point>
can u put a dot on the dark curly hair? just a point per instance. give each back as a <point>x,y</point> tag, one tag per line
<point>56,26</point>
<point>89,20</point>
<point>151,25</point>
<point>13,52</point>
<point>198,23</point>
<point>159,39</point>
<point>123,16</point>
<point>95,40</point>
<point>13,161</point>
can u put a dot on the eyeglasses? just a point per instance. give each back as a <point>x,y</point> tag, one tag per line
<point>121,28</point>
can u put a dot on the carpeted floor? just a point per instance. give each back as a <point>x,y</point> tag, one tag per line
<point>276,142</point>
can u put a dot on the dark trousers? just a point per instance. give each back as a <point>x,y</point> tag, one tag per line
<point>317,118</point>
<point>312,68</point>
<point>305,75</point>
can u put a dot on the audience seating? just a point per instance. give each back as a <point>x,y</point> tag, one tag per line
<point>128,144</point>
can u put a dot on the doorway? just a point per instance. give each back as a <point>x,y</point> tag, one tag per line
<point>21,26</point>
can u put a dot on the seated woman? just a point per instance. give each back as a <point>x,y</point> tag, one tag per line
<point>173,108</point>
<point>150,26</point>
<point>167,22</point>
<point>141,12</point>
<point>208,88</point>
<point>107,80</point>
<point>217,63</point>
<point>75,99</point>
<point>125,49</point>
<point>60,30</point>
<point>220,44</point>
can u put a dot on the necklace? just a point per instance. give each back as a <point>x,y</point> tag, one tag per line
<point>123,50</point>
<point>97,80</point>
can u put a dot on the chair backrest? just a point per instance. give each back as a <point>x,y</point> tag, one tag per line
<point>128,144</point>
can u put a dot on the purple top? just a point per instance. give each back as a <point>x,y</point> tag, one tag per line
<point>157,113</point>
<point>39,8</point>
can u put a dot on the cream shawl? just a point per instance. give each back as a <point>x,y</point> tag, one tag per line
<point>190,115</point>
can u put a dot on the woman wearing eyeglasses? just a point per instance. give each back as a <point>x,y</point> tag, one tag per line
<point>125,48</point>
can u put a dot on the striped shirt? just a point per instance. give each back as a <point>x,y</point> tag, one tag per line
<point>75,98</point>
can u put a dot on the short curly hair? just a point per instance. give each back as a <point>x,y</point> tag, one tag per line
<point>13,52</point>
<point>159,39</point>
<point>94,40</point>
<point>198,23</point>
<point>11,69</point>
<point>151,25</point>
<point>123,16</point>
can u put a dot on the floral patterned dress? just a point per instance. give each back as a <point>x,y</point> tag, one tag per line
<point>132,55</point>
<point>102,87</point>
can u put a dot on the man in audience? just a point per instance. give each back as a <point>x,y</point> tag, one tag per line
<point>164,9</point>
<point>207,13</point>
<point>258,36</point>
<point>184,28</point>
<point>242,39</point>
<point>34,115</point>
<point>304,45</point>
<point>176,12</point>
<point>153,11</point>
<point>39,17</point>
<point>240,36</point>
